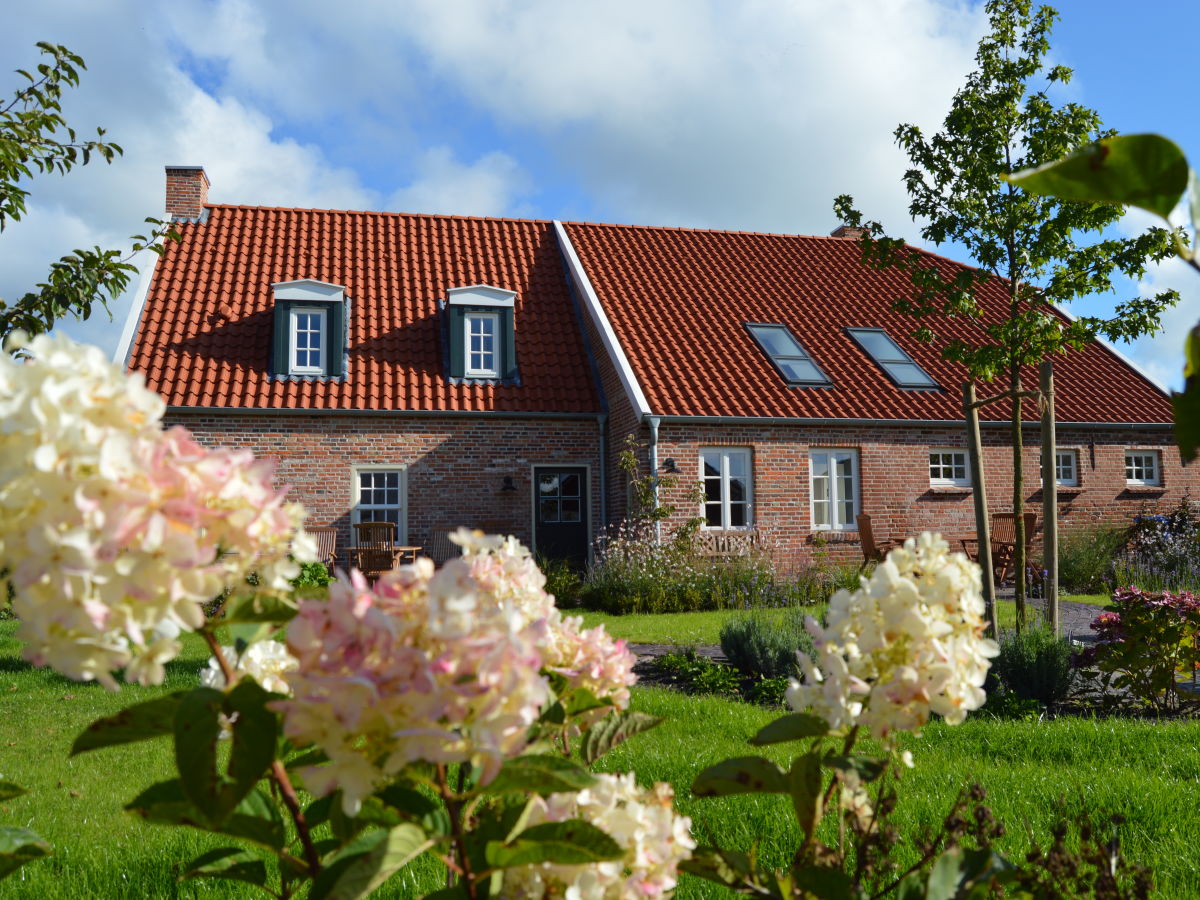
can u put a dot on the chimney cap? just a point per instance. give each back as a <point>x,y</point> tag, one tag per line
<point>199,169</point>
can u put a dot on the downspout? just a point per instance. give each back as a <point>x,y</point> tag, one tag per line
<point>602,423</point>
<point>654,420</point>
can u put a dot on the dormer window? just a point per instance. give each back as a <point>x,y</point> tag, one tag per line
<point>310,331</point>
<point>890,357</point>
<point>482,339</point>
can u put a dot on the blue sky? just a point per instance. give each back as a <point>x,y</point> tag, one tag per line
<point>745,115</point>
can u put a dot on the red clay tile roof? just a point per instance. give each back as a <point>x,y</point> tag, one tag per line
<point>678,299</point>
<point>205,335</point>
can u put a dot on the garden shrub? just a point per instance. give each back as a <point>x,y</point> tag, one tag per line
<point>698,674</point>
<point>1161,552</point>
<point>1144,644</point>
<point>562,581</point>
<point>313,574</point>
<point>758,644</point>
<point>1034,664</point>
<point>1085,558</point>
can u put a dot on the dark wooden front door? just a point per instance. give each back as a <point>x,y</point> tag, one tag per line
<point>561,513</point>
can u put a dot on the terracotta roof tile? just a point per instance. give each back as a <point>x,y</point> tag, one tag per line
<point>205,334</point>
<point>678,301</point>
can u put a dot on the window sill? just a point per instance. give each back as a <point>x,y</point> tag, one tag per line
<point>1144,488</point>
<point>948,489</point>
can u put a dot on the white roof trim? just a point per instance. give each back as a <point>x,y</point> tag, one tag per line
<point>481,295</point>
<point>607,336</point>
<point>309,289</point>
<point>136,308</point>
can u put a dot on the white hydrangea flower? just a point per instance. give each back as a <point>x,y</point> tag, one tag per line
<point>111,527</point>
<point>907,643</point>
<point>267,662</point>
<point>642,821</point>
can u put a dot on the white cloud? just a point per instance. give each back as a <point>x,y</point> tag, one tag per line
<point>487,187</point>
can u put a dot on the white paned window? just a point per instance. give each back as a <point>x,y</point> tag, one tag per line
<point>379,497</point>
<point>727,490</point>
<point>481,351</point>
<point>307,341</point>
<point>1142,467</point>
<point>833,477</point>
<point>1066,468</point>
<point>948,468</point>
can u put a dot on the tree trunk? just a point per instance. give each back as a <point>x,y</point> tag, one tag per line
<point>1018,502</point>
<point>1049,499</point>
<point>979,489</point>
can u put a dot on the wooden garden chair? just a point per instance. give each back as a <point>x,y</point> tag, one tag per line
<point>375,550</point>
<point>1004,544</point>
<point>874,550</point>
<point>326,538</point>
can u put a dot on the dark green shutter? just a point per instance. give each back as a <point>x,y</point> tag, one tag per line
<point>335,325</point>
<point>456,320</point>
<point>508,346</point>
<point>279,339</point>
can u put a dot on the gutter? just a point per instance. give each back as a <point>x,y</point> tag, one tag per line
<point>424,413</point>
<point>894,423</point>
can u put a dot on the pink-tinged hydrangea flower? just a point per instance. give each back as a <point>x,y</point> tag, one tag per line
<point>443,666</point>
<point>426,666</point>
<point>907,643</point>
<point>111,527</point>
<point>644,824</point>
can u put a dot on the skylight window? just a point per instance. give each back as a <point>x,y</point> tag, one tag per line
<point>898,365</point>
<point>792,360</point>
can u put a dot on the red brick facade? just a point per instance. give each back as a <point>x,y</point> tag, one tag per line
<point>454,466</point>
<point>894,483</point>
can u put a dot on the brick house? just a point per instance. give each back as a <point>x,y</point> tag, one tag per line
<point>441,370</point>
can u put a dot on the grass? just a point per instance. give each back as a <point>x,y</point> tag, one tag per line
<point>1145,771</point>
<point>694,628</point>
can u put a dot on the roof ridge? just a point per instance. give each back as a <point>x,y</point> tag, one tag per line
<point>376,212</point>
<point>684,228</point>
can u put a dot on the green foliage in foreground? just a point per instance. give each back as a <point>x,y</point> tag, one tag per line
<point>1147,772</point>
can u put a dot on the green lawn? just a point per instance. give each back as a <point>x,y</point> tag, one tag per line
<point>1150,773</point>
<point>686,629</point>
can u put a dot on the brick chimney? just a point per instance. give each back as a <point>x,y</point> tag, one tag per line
<point>848,231</point>
<point>187,192</point>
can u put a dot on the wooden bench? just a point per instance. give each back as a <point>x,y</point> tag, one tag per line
<point>728,543</point>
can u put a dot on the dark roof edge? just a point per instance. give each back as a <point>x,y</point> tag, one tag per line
<point>784,420</point>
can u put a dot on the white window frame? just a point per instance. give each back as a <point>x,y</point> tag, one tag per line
<point>468,370</point>
<point>726,502</point>
<point>835,454</point>
<point>952,481</point>
<point>356,506</point>
<point>1073,456</point>
<point>294,314</point>
<point>1153,479</point>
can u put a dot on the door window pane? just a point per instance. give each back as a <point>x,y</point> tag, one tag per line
<point>834,489</point>
<point>727,487</point>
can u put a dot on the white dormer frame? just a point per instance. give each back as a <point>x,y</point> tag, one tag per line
<point>481,295</point>
<point>309,289</point>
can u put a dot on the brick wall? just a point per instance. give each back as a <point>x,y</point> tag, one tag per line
<point>455,467</point>
<point>187,192</point>
<point>894,478</point>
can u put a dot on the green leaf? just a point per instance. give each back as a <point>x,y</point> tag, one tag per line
<point>581,700</point>
<point>415,806</point>
<point>8,790</point>
<point>866,769</point>
<point>165,803</point>
<point>613,730</point>
<point>1186,405</point>
<point>257,608</point>
<point>197,728</point>
<point>792,727</point>
<point>944,876</point>
<point>741,775</point>
<point>257,819</point>
<point>229,863</point>
<point>139,722</point>
<point>255,732</point>
<point>804,784</point>
<point>570,843</point>
<point>540,775</point>
<point>725,867</point>
<point>368,862</point>
<point>19,846</point>
<point>1144,170</point>
<point>824,882</point>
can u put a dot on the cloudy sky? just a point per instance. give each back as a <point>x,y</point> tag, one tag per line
<point>745,114</point>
